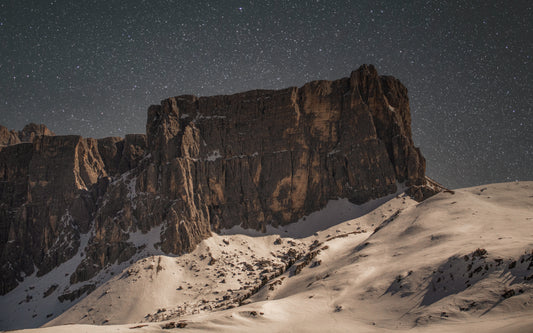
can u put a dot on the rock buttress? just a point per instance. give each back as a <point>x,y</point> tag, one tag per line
<point>271,157</point>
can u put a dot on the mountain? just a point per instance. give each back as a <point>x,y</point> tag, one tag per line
<point>76,211</point>
<point>28,133</point>
<point>460,261</point>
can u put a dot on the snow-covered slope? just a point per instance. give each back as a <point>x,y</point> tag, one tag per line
<point>38,300</point>
<point>456,262</point>
<point>220,272</point>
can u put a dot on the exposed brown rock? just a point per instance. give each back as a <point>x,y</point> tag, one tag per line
<point>271,157</point>
<point>28,134</point>
<point>8,137</point>
<point>48,195</point>
<point>426,190</point>
<point>31,131</point>
<point>44,203</point>
<point>206,163</point>
<point>122,154</point>
<point>86,289</point>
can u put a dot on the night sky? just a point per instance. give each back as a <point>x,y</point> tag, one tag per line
<point>94,67</point>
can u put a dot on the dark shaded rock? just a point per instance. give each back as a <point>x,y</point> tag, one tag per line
<point>509,293</point>
<point>86,289</point>
<point>169,325</point>
<point>111,149</point>
<point>120,155</point>
<point>50,290</point>
<point>426,190</point>
<point>44,203</point>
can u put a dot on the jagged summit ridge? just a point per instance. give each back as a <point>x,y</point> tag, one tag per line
<point>28,133</point>
<point>258,158</point>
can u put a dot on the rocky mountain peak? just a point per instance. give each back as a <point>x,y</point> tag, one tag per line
<point>28,133</point>
<point>251,159</point>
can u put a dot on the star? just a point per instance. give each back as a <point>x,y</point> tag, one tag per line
<point>463,65</point>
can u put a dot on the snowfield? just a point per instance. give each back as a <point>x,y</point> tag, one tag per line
<point>460,261</point>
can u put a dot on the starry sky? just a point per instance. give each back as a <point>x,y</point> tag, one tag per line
<point>93,67</point>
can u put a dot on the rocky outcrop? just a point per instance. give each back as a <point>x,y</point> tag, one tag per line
<point>121,155</point>
<point>8,137</point>
<point>271,157</point>
<point>28,134</point>
<point>48,194</point>
<point>32,131</point>
<point>258,158</point>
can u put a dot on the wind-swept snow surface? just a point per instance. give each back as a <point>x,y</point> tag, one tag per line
<point>458,262</point>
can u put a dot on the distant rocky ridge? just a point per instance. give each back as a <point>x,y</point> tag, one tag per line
<point>28,133</point>
<point>258,158</point>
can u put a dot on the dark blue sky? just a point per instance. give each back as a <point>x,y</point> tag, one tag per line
<point>94,67</point>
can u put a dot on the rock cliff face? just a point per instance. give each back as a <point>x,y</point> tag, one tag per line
<point>206,163</point>
<point>48,193</point>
